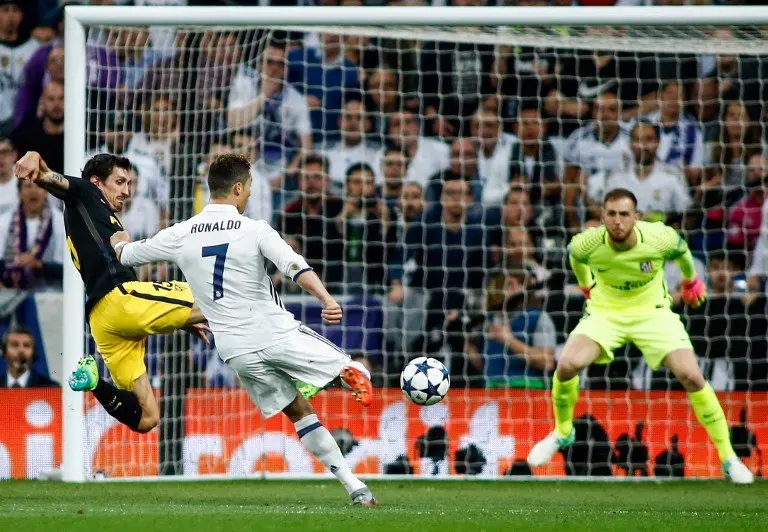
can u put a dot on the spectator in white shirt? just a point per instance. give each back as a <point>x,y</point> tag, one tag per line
<point>494,155</point>
<point>8,187</point>
<point>682,141</point>
<point>353,147</point>
<point>160,134</point>
<point>660,189</point>
<point>601,145</point>
<point>426,156</point>
<point>279,113</point>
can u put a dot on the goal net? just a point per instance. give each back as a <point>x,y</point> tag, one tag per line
<point>433,177</point>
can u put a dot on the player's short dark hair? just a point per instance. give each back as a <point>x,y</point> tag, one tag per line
<point>313,158</point>
<point>102,164</point>
<point>359,167</point>
<point>226,170</point>
<point>620,193</point>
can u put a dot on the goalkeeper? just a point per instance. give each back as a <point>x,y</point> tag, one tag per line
<point>620,270</point>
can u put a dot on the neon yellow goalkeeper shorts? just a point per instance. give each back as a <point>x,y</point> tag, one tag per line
<point>656,334</point>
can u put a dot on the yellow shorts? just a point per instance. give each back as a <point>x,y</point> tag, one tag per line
<point>655,334</point>
<point>122,320</point>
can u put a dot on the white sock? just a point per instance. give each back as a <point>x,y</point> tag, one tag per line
<point>319,441</point>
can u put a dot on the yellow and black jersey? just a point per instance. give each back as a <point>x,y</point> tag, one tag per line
<point>90,223</point>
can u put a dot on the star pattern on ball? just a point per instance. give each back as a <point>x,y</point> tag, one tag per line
<point>423,367</point>
<point>407,386</point>
<point>431,390</point>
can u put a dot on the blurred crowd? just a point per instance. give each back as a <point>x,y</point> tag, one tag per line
<point>433,185</point>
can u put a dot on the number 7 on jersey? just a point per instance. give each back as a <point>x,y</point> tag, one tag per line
<point>220,252</point>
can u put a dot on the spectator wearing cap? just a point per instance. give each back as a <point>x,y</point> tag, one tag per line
<point>9,194</point>
<point>16,47</point>
<point>32,241</point>
<point>19,352</point>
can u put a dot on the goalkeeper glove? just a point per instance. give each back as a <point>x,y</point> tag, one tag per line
<point>694,292</point>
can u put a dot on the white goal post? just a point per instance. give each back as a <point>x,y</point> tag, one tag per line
<point>79,18</point>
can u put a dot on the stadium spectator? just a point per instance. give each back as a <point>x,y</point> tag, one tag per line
<point>394,166</point>
<point>463,165</point>
<point>323,75</point>
<point>46,133</point>
<point>585,75</point>
<point>455,77</point>
<point>159,136</point>
<point>307,222</point>
<point>745,217</point>
<point>19,352</point>
<point>382,99</point>
<point>117,136</point>
<point>46,64</point>
<point>411,204</point>
<point>535,158</point>
<point>447,259</point>
<point>519,250</point>
<point>600,145</point>
<point>727,156</point>
<point>517,342</point>
<point>494,156</point>
<point>523,76</point>
<point>9,195</point>
<point>353,147</point>
<point>730,332</point>
<point>682,141</point>
<point>32,241</point>
<point>16,47</point>
<point>426,156</point>
<point>660,189</point>
<point>369,236</point>
<point>140,216</point>
<point>277,111</point>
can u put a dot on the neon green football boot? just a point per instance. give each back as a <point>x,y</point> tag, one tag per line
<point>307,390</point>
<point>86,376</point>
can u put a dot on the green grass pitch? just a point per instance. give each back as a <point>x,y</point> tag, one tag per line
<point>415,506</point>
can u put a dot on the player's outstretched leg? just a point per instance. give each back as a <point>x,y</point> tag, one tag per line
<point>125,406</point>
<point>579,352</point>
<point>357,378</point>
<point>682,363</point>
<point>319,442</point>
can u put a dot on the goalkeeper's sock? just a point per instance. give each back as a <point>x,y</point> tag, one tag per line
<point>710,414</point>
<point>120,404</point>
<point>564,397</point>
<point>319,441</point>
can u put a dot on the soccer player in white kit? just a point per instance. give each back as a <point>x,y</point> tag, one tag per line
<point>223,256</point>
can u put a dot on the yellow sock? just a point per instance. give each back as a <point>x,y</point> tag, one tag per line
<point>564,397</point>
<point>710,414</point>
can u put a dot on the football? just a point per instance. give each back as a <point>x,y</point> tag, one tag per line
<point>425,381</point>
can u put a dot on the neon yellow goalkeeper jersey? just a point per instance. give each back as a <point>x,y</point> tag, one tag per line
<point>631,281</point>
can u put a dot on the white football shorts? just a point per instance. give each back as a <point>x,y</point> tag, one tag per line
<point>269,374</point>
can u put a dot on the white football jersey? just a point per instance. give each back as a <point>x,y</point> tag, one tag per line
<point>223,257</point>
